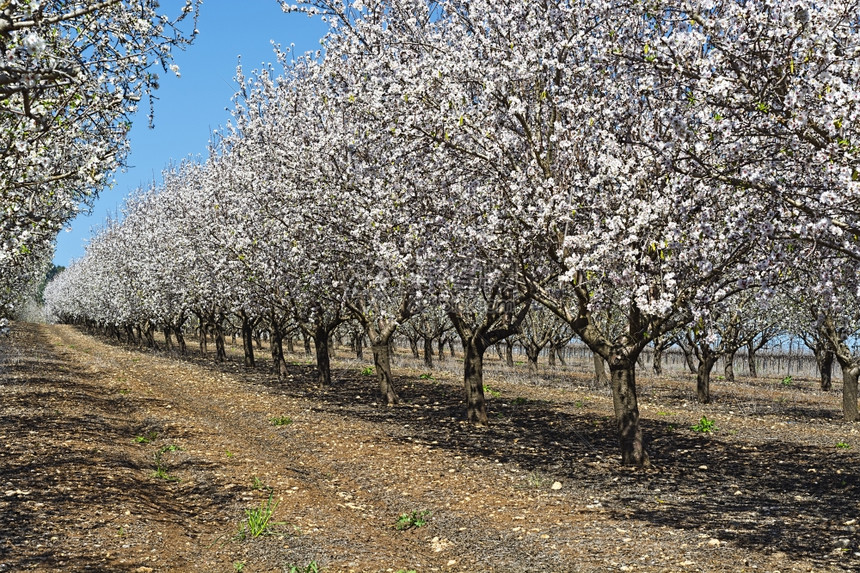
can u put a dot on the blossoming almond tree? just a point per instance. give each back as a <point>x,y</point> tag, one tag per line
<point>71,77</point>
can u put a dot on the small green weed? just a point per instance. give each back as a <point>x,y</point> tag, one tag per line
<point>124,391</point>
<point>311,567</point>
<point>536,480</point>
<point>704,426</point>
<point>282,421</point>
<point>843,445</point>
<point>367,371</point>
<point>787,380</point>
<point>579,404</point>
<point>412,519</point>
<point>662,413</point>
<point>160,467</point>
<point>257,483</point>
<point>426,376</point>
<point>520,401</point>
<point>146,438</point>
<point>239,565</point>
<point>258,521</point>
<point>491,392</point>
<point>228,453</point>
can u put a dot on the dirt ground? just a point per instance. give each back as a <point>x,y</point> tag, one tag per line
<point>115,459</point>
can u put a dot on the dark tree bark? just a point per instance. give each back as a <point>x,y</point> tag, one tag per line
<point>180,339</point>
<point>473,377</point>
<point>658,357</point>
<point>428,352</point>
<point>247,339</point>
<point>201,338</point>
<point>307,342</point>
<point>220,346</point>
<point>729,370</point>
<point>850,373</point>
<point>358,345</point>
<point>382,365</point>
<point>168,339</point>
<point>824,359</point>
<point>276,347</point>
<point>850,368</point>
<point>688,358</point>
<point>703,377</point>
<point>623,380</point>
<point>413,347</point>
<point>600,377</point>
<point>751,350</point>
<point>321,346</point>
<point>509,353</point>
<point>496,325</point>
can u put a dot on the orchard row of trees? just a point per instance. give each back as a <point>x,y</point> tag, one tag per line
<point>634,168</point>
<point>72,75</point>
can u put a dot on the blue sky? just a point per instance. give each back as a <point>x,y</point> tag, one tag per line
<point>190,107</point>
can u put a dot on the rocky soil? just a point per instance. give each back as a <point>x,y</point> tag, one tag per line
<point>116,459</point>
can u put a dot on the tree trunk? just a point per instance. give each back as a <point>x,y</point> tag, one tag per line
<point>729,370</point>
<point>451,348</point>
<point>168,340</point>
<point>204,344</point>
<point>382,363</point>
<point>247,340</point>
<point>532,354</point>
<point>824,359</point>
<point>290,346</point>
<point>623,380</point>
<point>688,358</point>
<point>276,347</point>
<point>850,373</point>
<point>559,353</point>
<point>703,378</point>
<point>473,378</point>
<point>751,361</point>
<point>551,356</point>
<point>358,344</point>
<point>307,342</point>
<point>322,353</point>
<point>509,353</point>
<point>413,347</point>
<point>441,348</point>
<point>600,377</point>
<point>258,339</point>
<point>428,352</point>
<point>180,340</point>
<point>220,347</point>
<point>658,359</point>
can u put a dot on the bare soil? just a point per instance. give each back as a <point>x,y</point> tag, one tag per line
<point>87,424</point>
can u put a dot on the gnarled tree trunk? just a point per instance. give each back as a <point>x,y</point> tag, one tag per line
<point>382,364</point>
<point>428,352</point>
<point>473,378</point>
<point>321,346</point>
<point>623,381</point>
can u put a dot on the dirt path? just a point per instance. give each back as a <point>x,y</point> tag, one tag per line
<point>86,426</point>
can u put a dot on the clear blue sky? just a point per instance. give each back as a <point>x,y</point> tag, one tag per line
<point>190,107</point>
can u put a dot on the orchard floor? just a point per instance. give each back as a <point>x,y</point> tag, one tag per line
<point>85,425</point>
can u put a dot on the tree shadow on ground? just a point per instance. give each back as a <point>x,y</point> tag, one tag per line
<point>765,495</point>
<point>60,462</point>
